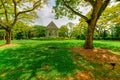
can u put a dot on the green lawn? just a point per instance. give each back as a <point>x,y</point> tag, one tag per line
<point>51,60</point>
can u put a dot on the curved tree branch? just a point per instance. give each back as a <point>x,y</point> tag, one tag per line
<point>77,13</point>
<point>35,5</point>
<point>5,11</point>
<point>15,12</point>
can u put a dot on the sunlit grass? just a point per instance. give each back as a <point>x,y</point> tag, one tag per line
<point>35,59</point>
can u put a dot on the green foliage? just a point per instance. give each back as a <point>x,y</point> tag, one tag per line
<point>63,31</point>
<point>51,38</point>
<point>2,34</point>
<point>108,22</point>
<point>80,30</point>
<point>21,31</point>
<point>38,31</point>
<point>13,11</point>
<point>70,26</point>
<point>62,10</point>
<point>117,30</point>
<point>21,8</point>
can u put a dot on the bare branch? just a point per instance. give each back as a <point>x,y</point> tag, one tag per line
<point>77,13</point>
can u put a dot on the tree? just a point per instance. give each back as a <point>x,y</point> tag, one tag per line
<point>79,31</point>
<point>2,34</point>
<point>38,31</point>
<point>71,8</point>
<point>63,31</point>
<point>12,11</point>
<point>21,30</point>
<point>108,21</point>
<point>117,31</point>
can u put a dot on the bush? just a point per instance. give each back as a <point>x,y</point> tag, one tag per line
<point>51,38</point>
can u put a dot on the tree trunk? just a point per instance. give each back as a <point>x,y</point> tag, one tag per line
<point>8,36</point>
<point>89,37</point>
<point>92,23</point>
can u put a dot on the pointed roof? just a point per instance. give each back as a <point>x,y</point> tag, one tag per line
<point>52,25</point>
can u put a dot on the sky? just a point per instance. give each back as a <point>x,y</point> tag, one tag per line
<point>46,16</point>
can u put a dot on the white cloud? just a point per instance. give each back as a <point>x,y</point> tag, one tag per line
<point>46,16</point>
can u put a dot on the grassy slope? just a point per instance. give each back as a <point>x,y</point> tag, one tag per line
<point>33,59</point>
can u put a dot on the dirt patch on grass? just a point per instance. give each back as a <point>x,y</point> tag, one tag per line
<point>7,45</point>
<point>97,54</point>
<point>83,76</point>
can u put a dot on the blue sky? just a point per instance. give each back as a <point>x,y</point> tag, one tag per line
<point>46,16</point>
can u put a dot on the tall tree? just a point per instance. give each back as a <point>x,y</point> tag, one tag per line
<point>20,28</point>
<point>71,8</point>
<point>13,10</point>
<point>38,31</point>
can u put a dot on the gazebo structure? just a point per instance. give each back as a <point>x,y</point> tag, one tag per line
<point>51,30</point>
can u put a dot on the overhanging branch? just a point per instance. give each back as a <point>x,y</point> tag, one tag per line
<point>33,8</point>
<point>5,10</point>
<point>35,5</point>
<point>75,12</point>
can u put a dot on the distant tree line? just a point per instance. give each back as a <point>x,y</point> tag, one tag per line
<point>70,30</point>
<point>23,31</point>
<point>107,28</point>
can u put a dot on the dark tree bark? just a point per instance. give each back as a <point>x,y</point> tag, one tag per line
<point>91,25</point>
<point>8,36</point>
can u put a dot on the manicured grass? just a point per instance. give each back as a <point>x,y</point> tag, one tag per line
<point>51,60</point>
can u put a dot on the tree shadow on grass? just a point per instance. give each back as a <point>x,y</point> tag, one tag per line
<point>27,62</point>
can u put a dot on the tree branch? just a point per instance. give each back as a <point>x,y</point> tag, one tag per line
<point>34,7</point>
<point>5,10</point>
<point>1,25</point>
<point>36,4</point>
<point>104,5</point>
<point>2,13</point>
<point>15,12</point>
<point>77,13</point>
<point>18,1</point>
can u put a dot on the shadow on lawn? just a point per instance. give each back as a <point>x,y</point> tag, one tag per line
<point>27,62</point>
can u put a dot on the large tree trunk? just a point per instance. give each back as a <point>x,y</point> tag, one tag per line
<point>92,23</point>
<point>90,33</point>
<point>8,36</point>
